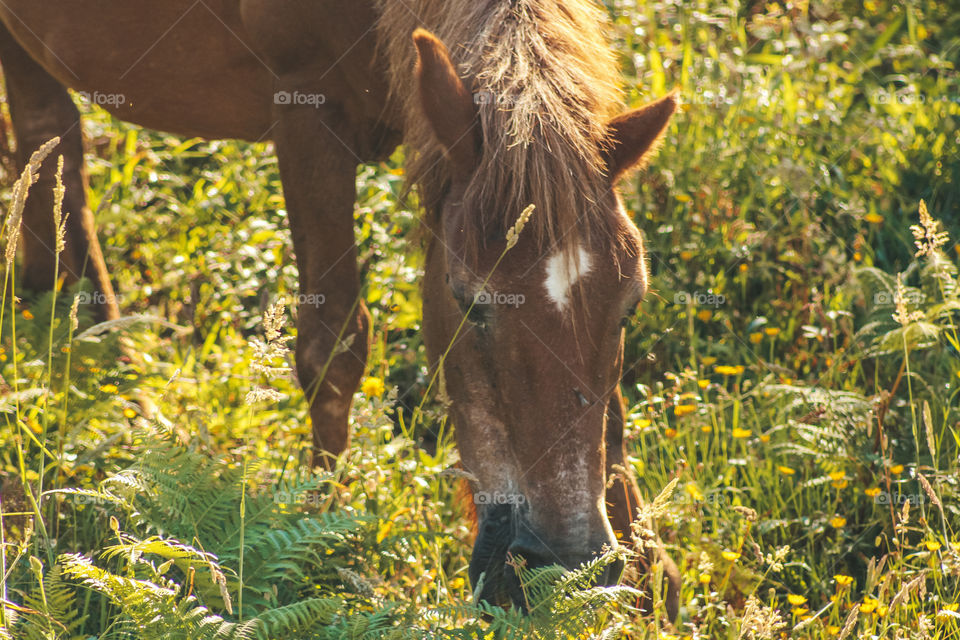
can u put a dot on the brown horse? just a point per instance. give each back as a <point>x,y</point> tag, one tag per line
<point>521,109</point>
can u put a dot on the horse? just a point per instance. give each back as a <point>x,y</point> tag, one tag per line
<point>502,104</point>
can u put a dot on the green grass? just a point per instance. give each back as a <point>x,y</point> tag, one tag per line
<point>766,372</point>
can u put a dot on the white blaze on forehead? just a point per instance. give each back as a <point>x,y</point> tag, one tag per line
<point>563,270</point>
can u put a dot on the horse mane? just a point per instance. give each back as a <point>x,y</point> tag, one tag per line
<point>546,83</point>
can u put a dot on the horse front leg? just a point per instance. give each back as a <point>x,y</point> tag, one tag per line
<point>41,109</point>
<point>319,174</point>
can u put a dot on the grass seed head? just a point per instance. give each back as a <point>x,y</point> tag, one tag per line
<point>927,235</point>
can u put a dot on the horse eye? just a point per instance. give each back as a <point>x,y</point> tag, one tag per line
<point>476,308</point>
<point>478,315</point>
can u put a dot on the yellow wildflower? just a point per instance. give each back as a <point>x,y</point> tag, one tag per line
<point>730,556</point>
<point>670,432</point>
<point>727,370</point>
<point>873,218</point>
<point>683,409</point>
<point>787,471</point>
<point>840,484</point>
<point>27,315</point>
<point>796,600</point>
<point>709,360</point>
<point>869,605</point>
<point>704,314</point>
<point>872,492</point>
<point>682,197</point>
<point>946,614</point>
<point>686,256</point>
<point>843,581</point>
<point>704,578</point>
<point>896,469</point>
<point>129,413</point>
<point>838,522</point>
<point>932,545</point>
<point>706,428</point>
<point>109,388</point>
<point>703,384</point>
<point>694,491</point>
<point>772,331</point>
<point>741,433</point>
<point>372,387</point>
<point>756,337</point>
<point>642,423</point>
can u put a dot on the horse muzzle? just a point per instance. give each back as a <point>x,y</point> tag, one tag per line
<point>506,547</point>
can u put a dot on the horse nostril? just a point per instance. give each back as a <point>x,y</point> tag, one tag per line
<point>531,553</point>
<point>520,557</point>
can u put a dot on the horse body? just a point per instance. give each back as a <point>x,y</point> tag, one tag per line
<point>519,110</point>
<point>188,69</point>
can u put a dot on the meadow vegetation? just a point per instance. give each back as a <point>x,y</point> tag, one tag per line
<point>792,379</point>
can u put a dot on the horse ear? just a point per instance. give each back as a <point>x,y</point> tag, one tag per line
<point>635,135</point>
<point>447,103</point>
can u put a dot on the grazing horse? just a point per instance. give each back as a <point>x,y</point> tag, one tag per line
<point>521,107</point>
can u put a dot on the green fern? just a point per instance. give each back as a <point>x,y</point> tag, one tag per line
<point>50,611</point>
<point>172,567</point>
<point>561,605</point>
